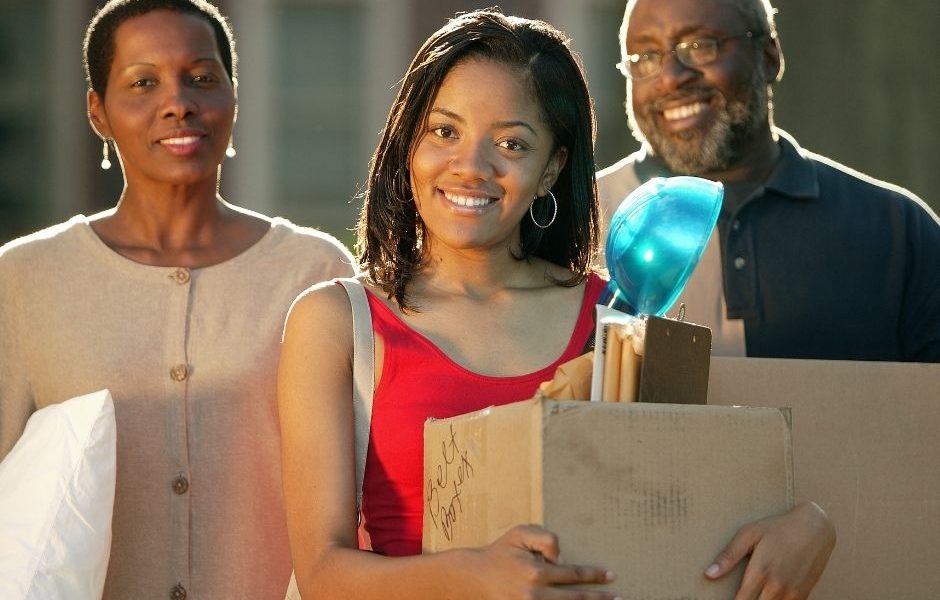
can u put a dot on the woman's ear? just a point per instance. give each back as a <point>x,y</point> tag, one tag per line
<point>96,115</point>
<point>552,170</point>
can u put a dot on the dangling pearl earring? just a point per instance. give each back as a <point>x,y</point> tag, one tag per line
<point>105,161</point>
<point>230,151</point>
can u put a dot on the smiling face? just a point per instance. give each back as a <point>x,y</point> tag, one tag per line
<point>484,155</point>
<point>169,103</point>
<point>701,119</point>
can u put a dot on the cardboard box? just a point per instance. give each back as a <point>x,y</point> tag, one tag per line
<point>866,439</point>
<point>651,491</point>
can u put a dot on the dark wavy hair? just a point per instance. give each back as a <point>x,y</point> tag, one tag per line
<point>98,47</point>
<point>390,231</point>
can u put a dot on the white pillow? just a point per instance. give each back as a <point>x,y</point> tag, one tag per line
<point>56,499</point>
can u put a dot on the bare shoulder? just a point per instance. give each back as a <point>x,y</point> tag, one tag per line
<point>323,306</point>
<point>317,347</point>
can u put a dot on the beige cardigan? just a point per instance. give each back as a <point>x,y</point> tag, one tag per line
<point>190,357</point>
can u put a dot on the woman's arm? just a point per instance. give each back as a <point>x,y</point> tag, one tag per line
<point>787,554</point>
<point>315,407</point>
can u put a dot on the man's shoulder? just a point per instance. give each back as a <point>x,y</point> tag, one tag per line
<point>624,168</point>
<point>618,180</point>
<point>860,188</point>
<point>841,187</point>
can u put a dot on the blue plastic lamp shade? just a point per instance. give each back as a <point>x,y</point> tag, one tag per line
<point>656,238</point>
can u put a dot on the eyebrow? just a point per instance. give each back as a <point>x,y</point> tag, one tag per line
<point>144,63</point>
<point>684,32</point>
<point>497,125</point>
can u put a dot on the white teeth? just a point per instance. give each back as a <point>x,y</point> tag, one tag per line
<point>684,111</point>
<point>190,139</point>
<point>469,201</point>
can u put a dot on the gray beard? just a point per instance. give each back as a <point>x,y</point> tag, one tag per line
<point>696,151</point>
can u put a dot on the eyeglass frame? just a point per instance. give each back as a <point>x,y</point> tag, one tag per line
<point>678,48</point>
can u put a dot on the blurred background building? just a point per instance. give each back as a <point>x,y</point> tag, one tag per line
<point>317,78</point>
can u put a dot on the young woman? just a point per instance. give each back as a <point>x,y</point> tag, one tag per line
<point>478,229</point>
<point>477,234</point>
<point>175,301</point>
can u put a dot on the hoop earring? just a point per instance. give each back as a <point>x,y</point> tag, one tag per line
<point>230,151</point>
<point>554,213</point>
<point>105,161</point>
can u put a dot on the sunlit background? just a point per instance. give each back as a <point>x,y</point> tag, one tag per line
<point>317,77</point>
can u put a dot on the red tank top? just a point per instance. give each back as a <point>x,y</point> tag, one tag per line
<point>420,382</point>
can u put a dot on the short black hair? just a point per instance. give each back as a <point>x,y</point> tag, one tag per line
<point>390,232</point>
<point>98,47</point>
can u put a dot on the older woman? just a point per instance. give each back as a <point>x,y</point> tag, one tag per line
<point>175,301</point>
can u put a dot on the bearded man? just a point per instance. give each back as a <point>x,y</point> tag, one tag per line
<point>810,258</point>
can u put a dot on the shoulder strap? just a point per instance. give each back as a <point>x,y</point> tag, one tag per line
<point>363,374</point>
<point>363,384</point>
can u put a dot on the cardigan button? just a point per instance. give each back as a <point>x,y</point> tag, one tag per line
<point>180,485</point>
<point>178,592</point>
<point>179,373</point>
<point>181,276</point>
<point>739,262</point>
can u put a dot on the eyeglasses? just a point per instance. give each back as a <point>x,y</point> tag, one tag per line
<point>692,53</point>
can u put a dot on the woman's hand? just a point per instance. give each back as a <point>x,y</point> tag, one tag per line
<point>787,554</point>
<point>525,563</point>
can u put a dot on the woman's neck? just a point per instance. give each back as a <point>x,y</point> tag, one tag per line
<point>480,274</point>
<point>177,227</point>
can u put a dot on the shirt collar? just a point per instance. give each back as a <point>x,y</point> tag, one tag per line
<point>794,176</point>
